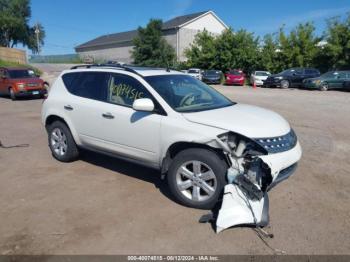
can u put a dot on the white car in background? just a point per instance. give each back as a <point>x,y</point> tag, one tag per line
<point>258,77</point>
<point>195,72</point>
<point>201,141</point>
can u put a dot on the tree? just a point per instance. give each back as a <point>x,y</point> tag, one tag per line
<point>14,25</point>
<point>150,48</point>
<point>269,55</point>
<point>302,46</point>
<point>228,50</point>
<point>336,53</point>
<point>202,52</point>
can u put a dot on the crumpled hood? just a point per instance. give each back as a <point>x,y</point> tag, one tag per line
<point>247,120</point>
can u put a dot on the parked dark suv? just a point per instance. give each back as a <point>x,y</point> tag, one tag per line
<point>292,77</point>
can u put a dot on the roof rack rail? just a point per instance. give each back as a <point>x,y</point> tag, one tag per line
<point>117,66</point>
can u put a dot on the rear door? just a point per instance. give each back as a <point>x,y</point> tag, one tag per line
<point>85,105</point>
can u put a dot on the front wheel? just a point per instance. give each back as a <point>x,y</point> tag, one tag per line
<point>285,84</point>
<point>12,94</point>
<point>196,178</point>
<point>324,87</point>
<point>61,142</point>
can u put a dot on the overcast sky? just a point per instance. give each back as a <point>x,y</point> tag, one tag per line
<point>71,22</point>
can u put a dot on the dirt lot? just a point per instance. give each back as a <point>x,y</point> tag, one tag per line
<point>101,205</point>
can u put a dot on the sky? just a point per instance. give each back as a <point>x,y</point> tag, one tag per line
<point>69,23</point>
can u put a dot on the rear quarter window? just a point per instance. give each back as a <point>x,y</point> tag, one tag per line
<point>92,85</point>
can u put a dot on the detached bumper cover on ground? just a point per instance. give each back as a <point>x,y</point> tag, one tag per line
<point>242,206</point>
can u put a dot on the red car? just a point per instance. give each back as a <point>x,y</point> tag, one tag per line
<point>17,82</point>
<point>235,77</point>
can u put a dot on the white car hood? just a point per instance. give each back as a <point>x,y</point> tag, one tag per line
<point>249,121</point>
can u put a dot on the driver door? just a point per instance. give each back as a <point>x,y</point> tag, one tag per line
<point>134,134</point>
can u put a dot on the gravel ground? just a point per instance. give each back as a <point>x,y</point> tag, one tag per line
<point>101,205</point>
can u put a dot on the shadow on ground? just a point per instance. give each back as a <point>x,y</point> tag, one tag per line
<point>126,168</point>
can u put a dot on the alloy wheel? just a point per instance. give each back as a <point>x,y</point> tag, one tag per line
<point>59,142</point>
<point>196,181</point>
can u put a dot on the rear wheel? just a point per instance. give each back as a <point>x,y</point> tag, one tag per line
<point>12,94</point>
<point>61,142</point>
<point>285,84</point>
<point>196,178</point>
<point>324,87</point>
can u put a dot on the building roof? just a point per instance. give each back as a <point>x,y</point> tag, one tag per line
<point>129,35</point>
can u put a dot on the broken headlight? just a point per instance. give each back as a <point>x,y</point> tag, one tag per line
<point>251,147</point>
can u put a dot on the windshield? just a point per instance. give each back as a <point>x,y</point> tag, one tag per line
<point>187,94</point>
<point>236,73</point>
<point>21,73</point>
<point>291,71</point>
<point>262,73</point>
<point>329,74</point>
<point>212,72</point>
<point>193,71</point>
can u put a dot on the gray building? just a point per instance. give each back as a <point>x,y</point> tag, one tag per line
<point>179,32</point>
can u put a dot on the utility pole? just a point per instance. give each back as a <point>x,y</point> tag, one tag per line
<point>37,32</point>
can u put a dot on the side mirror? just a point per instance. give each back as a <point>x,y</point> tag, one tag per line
<point>143,104</point>
<point>3,77</point>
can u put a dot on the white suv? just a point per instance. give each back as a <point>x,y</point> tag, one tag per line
<point>172,122</point>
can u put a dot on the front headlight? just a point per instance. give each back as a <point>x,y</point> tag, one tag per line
<point>20,86</point>
<point>317,82</point>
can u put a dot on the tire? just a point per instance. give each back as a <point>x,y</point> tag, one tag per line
<point>61,142</point>
<point>182,173</point>
<point>324,87</point>
<point>12,94</point>
<point>285,84</point>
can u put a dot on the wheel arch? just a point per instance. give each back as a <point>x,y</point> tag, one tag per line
<point>178,147</point>
<point>54,117</point>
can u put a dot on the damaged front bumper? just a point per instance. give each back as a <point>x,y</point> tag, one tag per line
<point>242,206</point>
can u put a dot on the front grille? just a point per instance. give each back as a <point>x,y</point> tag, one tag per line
<point>32,84</point>
<point>278,144</point>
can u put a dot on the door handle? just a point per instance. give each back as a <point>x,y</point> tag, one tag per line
<point>108,115</point>
<point>68,107</point>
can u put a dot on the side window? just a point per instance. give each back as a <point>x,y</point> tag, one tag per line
<point>342,75</point>
<point>92,85</point>
<point>124,90</point>
<point>310,72</point>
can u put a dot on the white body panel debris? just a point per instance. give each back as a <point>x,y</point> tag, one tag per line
<point>238,209</point>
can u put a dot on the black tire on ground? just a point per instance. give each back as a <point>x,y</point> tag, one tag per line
<point>71,153</point>
<point>324,87</point>
<point>209,158</point>
<point>12,94</point>
<point>285,84</point>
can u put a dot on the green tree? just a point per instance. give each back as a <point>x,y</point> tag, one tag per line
<point>202,52</point>
<point>228,50</point>
<point>302,45</point>
<point>270,55</point>
<point>336,53</point>
<point>14,25</point>
<point>224,57</point>
<point>150,48</point>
